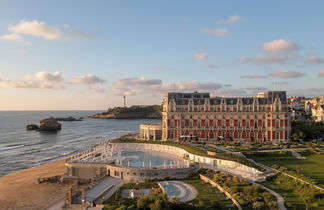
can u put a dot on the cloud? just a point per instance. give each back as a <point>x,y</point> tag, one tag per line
<point>266,59</point>
<point>155,87</point>
<point>256,89</point>
<point>255,76</point>
<point>36,28</point>
<point>278,52</point>
<point>11,37</point>
<point>98,89</point>
<point>309,92</point>
<point>279,46</point>
<point>14,37</point>
<point>285,74</point>
<point>216,31</point>
<point>314,60</point>
<point>280,83</point>
<point>321,73</point>
<point>231,19</point>
<point>200,56</point>
<point>77,34</point>
<point>87,79</point>
<point>212,66</point>
<point>47,76</point>
<point>230,92</point>
<point>41,80</point>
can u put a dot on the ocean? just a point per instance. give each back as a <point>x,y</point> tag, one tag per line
<point>21,149</point>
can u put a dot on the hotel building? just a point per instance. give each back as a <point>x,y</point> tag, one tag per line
<point>264,117</point>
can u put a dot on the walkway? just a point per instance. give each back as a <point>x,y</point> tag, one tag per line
<point>103,190</point>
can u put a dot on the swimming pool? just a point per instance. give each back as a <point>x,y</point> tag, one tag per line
<point>171,190</point>
<point>184,192</point>
<point>145,159</point>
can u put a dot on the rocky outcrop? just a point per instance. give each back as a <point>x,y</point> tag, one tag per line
<point>131,115</point>
<point>49,124</point>
<point>32,127</point>
<point>133,112</point>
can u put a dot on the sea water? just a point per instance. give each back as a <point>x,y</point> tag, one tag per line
<point>21,149</point>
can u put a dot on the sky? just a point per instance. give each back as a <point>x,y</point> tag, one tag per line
<point>85,55</point>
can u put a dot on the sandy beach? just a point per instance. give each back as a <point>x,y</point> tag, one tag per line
<point>20,191</point>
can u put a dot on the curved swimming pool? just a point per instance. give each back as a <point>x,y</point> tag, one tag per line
<point>140,159</point>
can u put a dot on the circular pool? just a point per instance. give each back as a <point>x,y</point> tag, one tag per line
<point>146,159</point>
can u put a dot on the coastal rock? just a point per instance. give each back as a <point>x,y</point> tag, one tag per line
<point>32,127</point>
<point>49,124</point>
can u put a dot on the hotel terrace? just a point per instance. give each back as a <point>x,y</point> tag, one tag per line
<point>188,116</point>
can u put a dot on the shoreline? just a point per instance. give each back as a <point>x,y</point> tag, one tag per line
<point>19,190</point>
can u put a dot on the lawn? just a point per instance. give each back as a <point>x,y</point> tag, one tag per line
<point>292,201</point>
<point>312,166</point>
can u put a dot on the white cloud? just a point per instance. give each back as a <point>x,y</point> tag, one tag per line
<point>280,83</point>
<point>87,79</point>
<point>155,87</point>
<point>231,19</point>
<point>255,76</point>
<point>280,46</point>
<point>200,56</point>
<point>41,80</point>
<point>285,74</point>
<point>321,73</point>
<point>98,89</point>
<point>256,89</point>
<point>216,31</point>
<point>11,37</point>
<point>47,76</point>
<point>36,28</point>
<point>14,37</point>
<point>279,52</point>
<point>267,59</point>
<point>314,60</point>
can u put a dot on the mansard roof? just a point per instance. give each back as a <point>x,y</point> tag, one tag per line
<point>199,98</point>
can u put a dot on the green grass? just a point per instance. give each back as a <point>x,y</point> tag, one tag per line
<point>196,151</point>
<point>312,166</point>
<point>208,194</point>
<point>292,201</point>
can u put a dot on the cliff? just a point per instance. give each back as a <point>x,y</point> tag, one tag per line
<point>133,112</point>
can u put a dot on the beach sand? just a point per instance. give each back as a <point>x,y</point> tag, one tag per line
<point>20,191</point>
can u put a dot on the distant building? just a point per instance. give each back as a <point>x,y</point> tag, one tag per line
<point>314,107</point>
<point>199,116</point>
<point>297,103</point>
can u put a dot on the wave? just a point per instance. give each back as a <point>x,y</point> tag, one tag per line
<point>11,147</point>
<point>52,147</point>
<point>47,159</point>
